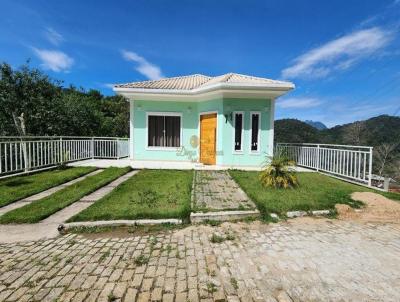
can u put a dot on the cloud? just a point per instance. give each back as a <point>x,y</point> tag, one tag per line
<point>149,70</point>
<point>53,36</point>
<point>342,114</point>
<point>300,102</point>
<point>108,85</point>
<point>54,60</point>
<point>338,54</point>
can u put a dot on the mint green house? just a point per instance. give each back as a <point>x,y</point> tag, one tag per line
<point>225,121</point>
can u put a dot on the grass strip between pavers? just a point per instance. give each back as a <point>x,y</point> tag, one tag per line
<point>315,192</point>
<point>22,186</point>
<point>150,194</point>
<point>43,208</point>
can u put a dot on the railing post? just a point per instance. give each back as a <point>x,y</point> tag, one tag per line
<point>118,148</point>
<point>92,147</point>
<point>318,157</point>
<point>27,159</point>
<point>61,151</point>
<point>370,168</point>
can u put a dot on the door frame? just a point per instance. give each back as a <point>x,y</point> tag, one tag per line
<point>216,132</point>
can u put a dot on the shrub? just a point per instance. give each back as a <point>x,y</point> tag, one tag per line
<point>279,173</point>
<point>140,260</point>
<point>216,238</point>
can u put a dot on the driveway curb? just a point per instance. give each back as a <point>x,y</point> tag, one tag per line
<point>114,223</point>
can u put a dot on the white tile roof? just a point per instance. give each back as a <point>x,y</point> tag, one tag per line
<point>194,81</point>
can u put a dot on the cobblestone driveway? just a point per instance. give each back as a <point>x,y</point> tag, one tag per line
<point>307,260</point>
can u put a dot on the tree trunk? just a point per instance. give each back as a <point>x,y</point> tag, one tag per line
<point>19,122</point>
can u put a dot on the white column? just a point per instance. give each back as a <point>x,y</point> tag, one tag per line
<point>370,167</point>
<point>271,128</point>
<point>131,129</point>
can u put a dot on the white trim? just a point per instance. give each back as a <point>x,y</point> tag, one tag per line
<point>258,134</point>
<point>271,128</point>
<point>159,148</point>
<point>281,86</point>
<point>241,134</point>
<point>218,94</point>
<point>216,132</point>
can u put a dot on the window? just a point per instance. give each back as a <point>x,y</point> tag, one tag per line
<point>238,121</point>
<point>255,131</point>
<point>164,130</point>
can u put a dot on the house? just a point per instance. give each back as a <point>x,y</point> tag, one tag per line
<point>226,120</point>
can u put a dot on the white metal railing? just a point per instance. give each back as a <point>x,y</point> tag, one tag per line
<point>23,154</point>
<point>343,161</point>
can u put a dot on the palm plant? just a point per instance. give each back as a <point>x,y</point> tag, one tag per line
<point>279,173</point>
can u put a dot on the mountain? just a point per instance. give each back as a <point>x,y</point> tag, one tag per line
<point>372,132</point>
<point>295,131</point>
<point>316,124</point>
<point>381,132</point>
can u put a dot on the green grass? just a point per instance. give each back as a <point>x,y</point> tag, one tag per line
<point>43,208</point>
<point>391,195</point>
<point>315,192</point>
<point>150,194</point>
<point>19,187</point>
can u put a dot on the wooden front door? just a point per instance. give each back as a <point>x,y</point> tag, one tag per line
<point>208,138</point>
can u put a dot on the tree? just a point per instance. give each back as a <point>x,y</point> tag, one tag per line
<point>354,132</point>
<point>385,156</point>
<point>28,101</point>
<point>396,170</point>
<point>33,104</point>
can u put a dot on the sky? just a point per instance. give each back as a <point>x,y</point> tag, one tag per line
<point>343,56</point>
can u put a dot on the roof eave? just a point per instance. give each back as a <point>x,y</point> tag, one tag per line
<point>284,87</point>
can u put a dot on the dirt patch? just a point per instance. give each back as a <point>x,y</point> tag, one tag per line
<point>377,209</point>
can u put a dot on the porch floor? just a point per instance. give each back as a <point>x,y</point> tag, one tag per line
<point>169,165</point>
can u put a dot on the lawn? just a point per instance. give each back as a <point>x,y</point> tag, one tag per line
<point>316,192</point>
<point>150,194</point>
<point>43,208</point>
<point>19,187</point>
<point>391,195</point>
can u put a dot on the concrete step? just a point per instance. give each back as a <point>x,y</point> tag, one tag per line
<point>223,215</point>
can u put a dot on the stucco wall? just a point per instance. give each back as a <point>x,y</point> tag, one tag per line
<point>190,122</point>
<point>246,158</point>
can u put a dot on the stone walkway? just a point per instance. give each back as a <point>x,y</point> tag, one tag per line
<point>300,260</point>
<point>36,197</point>
<point>216,190</point>
<point>47,228</point>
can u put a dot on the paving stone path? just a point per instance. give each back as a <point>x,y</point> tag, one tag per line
<point>216,190</point>
<point>36,197</point>
<point>289,261</point>
<point>47,228</point>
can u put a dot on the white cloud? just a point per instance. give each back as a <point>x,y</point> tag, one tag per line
<point>54,60</point>
<point>53,36</point>
<point>108,85</point>
<point>338,54</point>
<point>300,102</point>
<point>149,70</point>
<point>342,113</point>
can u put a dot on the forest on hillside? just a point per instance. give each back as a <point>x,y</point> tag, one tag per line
<point>31,103</point>
<point>381,132</point>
